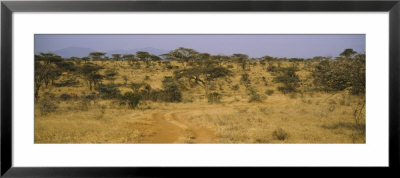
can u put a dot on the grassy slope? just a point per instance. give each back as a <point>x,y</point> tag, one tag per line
<point>311,117</point>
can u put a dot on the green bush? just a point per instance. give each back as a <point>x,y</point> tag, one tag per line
<point>289,79</point>
<point>341,74</point>
<point>109,91</point>
<point>132,99</point>
<point>66,66</point>
<point>171,92</point>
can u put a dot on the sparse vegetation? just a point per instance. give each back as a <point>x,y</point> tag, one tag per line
<point>280,134</point>
<point>269,92</point>
<point>214,97</point>
<point>186,96</point>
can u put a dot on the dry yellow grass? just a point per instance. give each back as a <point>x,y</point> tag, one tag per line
<point>310,117</point>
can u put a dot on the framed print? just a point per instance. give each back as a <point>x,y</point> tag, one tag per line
<point>161,88</point>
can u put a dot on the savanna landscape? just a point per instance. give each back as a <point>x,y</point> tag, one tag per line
<point>188,96</point>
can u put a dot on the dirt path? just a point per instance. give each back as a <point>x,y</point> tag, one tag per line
<point>163,131</point>
<point>174,127</point>
<point>200,134</point>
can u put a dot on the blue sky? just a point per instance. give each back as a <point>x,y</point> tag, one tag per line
<point>303,46</point>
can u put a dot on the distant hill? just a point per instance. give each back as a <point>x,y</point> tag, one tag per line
<point>150,50</point>
<point>82,52</point>
<point>73,51</point>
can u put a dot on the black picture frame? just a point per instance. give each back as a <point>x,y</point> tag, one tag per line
<point>8,7</point>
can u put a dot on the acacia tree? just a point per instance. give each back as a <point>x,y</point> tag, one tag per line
<point>48,68</point>
<point>241,59</point>
<point>128,57</point>
<point>183,55</point>
<point>41,74</point>
<point>116,57</point>
<point>347,53</point>
<point>144,56</point>
<point>86,59</point>
<point>48,58</point>
<point>357,74</point>
<point>53,74</point>
<point>97,56</point>
<point>75,59</point>
<point>262,63</point>
<point>204,59</point>
<point>202,76</point>
<point>336,75</point>
<point>220,58</point>
<point>269,58</point>
<point>90,72</point>
<point>155,58</point>
<point>289,79</point>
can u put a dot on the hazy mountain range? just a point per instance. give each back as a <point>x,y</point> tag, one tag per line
<point>82,52</point>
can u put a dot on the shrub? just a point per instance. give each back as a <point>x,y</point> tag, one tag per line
<point>214,97</point>
<point>90,72</point>
<point>91,96</point>
<point>265,81</point>
<point>65,97</point>
<point>125,78</point>
<point>289,79</point>
<point>66,66</point>
<point>272,68</point>
<point>167,80</point>
<point>235,87</point>
<point>108,91</point>
<point>340,74</point>
<point>132,99</point>
<point>171,92</point>
<point>245,80</point>
<point>110,74</point>
<point>66,83</point>
<point>47,105</point>
<point>269,92</point>
<point>280,134</point>
<point>146,92</point>
<point>136,86</point>
<point>255,97</point>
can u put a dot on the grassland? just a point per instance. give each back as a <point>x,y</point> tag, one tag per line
<point>245,111</point>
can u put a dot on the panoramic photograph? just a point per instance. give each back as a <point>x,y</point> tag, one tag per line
<point>199,89</point>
